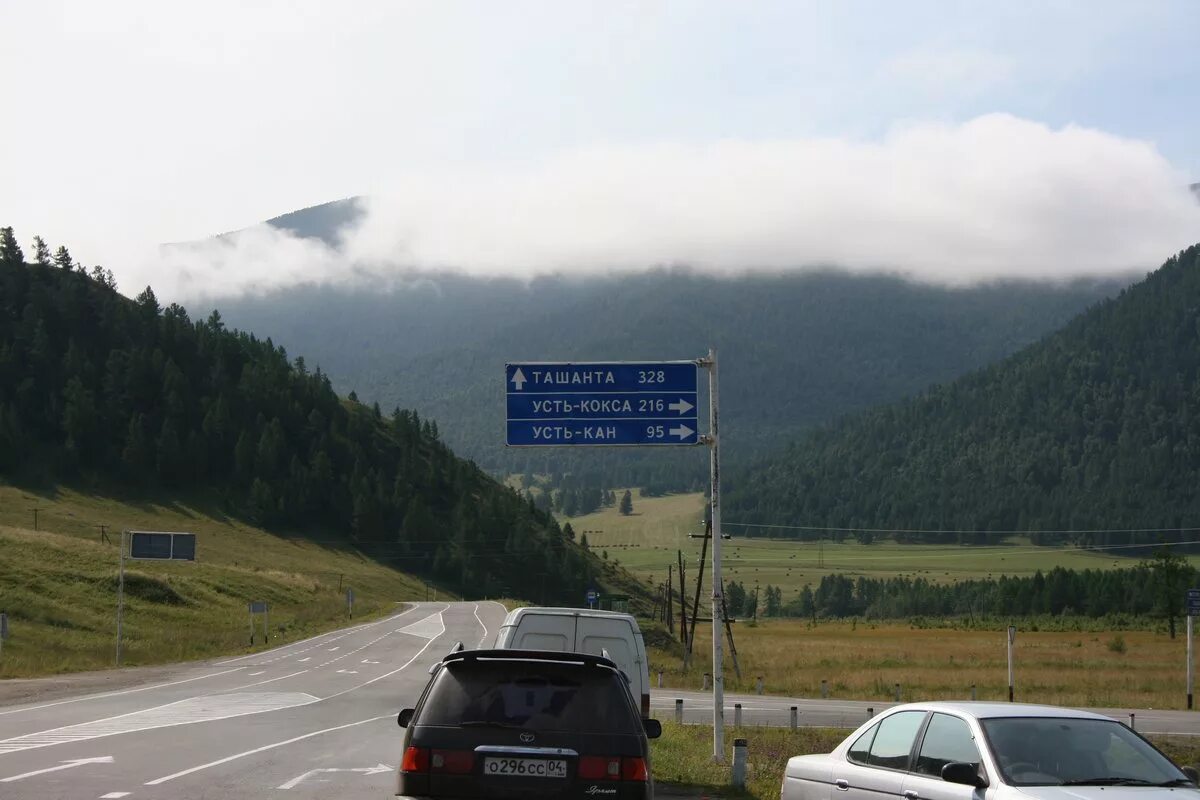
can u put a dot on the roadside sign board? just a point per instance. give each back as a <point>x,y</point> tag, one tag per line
<point>1193,602</point>
<point>592,595</point>
<point>615,602</point>
<point>162,546</point>
<point>258,607</point>
<point>601,404</point>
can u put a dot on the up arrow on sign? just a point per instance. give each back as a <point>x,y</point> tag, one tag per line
<point>518,379</point>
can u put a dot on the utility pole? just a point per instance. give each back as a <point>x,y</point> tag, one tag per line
<point>121,592</point>
<point>729,632</point>
<point>699,582</point>
<point>714,461</point>
<point>683,623</point>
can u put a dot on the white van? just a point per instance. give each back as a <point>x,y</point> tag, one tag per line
<point>582,630</point>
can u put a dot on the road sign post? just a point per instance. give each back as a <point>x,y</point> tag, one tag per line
<point>714,463</point>
<point>3,630</point>
<point>625,404</point>
<point>592,596</point>
<point>350,602</point>
<point>148,546</point>
<point>1192,600</point>
<point>259,607</point>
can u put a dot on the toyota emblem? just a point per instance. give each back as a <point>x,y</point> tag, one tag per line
<point>527,737</point>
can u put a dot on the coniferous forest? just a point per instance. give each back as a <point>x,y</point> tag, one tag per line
<point>1091,436</point>
<point>98,390</point>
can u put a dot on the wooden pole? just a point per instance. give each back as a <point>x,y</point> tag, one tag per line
<point>670,598</point>
<point>729,633</point>
<point>699,582</point>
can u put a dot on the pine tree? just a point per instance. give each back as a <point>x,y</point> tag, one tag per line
<point>10,251</point>
<point>626,503</point>
<point>62,259</point>
<point>41,252</point>
<point>568,532</point>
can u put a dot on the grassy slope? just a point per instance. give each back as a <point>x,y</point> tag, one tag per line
<point>58,584</point>
<point>684,756</point>
<point>645,544</point>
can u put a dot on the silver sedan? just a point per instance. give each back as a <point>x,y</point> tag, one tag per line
<point>989,751</point>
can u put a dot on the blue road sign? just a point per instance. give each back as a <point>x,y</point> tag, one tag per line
<point>1193,602</point>
<point>605,404</point>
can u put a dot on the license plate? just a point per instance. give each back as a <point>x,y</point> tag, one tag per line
<point>526,767</point>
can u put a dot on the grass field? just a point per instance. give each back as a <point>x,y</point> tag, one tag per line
<point>58,584</point>
<point>684,756</point>
<point>865,661</point>
<point>646,543</point>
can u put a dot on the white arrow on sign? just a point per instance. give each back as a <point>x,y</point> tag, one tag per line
<point>683,431</point>
<point>519,379</point>
<point>75,762</point>
<point>375,770</point>
<point>683,406</point>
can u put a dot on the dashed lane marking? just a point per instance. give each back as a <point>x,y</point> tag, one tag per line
<point>114,795</point>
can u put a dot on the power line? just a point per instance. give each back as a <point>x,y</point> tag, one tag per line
<point>947,530</point>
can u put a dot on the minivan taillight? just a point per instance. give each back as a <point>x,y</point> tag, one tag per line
<point>416,759</point>
<point>600,768</point>
<point>634,769</point>
<point>453,762</point>
<point>612,768</point>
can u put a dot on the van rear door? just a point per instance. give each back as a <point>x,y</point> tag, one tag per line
<point>555,632</point>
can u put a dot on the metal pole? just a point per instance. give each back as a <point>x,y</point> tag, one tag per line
<point>714,440</point>
<point>1191,664</point>
<point>252,626</point>
<point>1012,637</point>
<point>121,592</point>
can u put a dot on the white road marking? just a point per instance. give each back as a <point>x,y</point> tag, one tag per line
<point>184,712</point>
<point>480,621</point>
<point>299,779</point>
<point>425,628</point>
<point>369,661</point>
<point>268,680</point>
<point>397,669</point>
<point>306,658</point>
<point>260,672</point>
<point>339,647</point>
<point>257,750</point>
<point>347,672</point>
<point>123,691</point>
<point>279,652</point>
<point>114,795</point>
<point>76,762</point>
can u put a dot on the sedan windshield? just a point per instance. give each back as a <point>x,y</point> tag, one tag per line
<point>1048,751</point>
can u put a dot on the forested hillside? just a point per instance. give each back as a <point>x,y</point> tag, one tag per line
<point>796,350</point>
<point>1093,429</point>
<point>97,390</point>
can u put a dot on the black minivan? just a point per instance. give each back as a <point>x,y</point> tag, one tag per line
<point>526,724</point>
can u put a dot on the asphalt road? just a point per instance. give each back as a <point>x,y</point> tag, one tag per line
<point>311,719</point>
<point>776,711</point>
<point>315,718</point>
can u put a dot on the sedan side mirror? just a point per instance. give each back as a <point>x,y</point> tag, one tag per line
<point>405,717</point>
<point>964,773</point>
<point>1193,774</point>
<point>652,727</point>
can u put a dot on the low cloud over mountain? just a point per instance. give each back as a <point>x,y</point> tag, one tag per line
<point>994,197</point>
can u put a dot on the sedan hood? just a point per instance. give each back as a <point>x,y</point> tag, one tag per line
<point>1109,793</point>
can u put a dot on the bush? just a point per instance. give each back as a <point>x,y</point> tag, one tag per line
<point>1116,644</point>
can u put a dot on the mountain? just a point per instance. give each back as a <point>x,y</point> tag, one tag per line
<point>1091,430</point>
<point>324,222</point>
<point>101,392</point>
<point>796,350</point>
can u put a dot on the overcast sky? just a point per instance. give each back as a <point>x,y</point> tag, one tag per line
<point>1020,138</point>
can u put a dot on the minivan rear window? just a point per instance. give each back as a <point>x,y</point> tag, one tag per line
<point>529,695</point>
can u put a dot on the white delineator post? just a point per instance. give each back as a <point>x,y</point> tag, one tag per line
<point>714,439</point>
<point>1012,638</point>
<point>1191,664</point>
